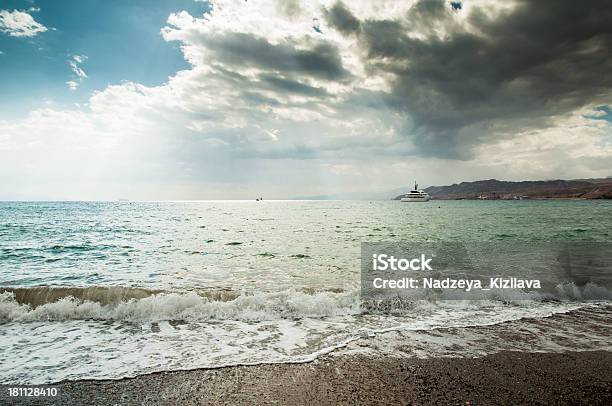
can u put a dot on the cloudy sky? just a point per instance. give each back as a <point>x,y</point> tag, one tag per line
<point>153,99</point>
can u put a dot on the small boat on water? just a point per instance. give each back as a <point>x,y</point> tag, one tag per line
<point>416,195</point>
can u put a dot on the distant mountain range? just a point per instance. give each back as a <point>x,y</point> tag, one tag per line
<point>504,190</point>
<point>493,189</point>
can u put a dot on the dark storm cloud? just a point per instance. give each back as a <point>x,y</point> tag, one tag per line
<point>267,82</point>
<point>515,71</point>
<point>238,49</point>
<point>341,18</point>
<point>291,86</point>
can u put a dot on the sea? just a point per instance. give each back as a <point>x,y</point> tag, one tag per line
<point>106,290</point>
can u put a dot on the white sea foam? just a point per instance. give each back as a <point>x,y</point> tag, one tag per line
<point>39,352</point>
<point>157,331</point>
<point>189,306</point>
<point>132,304</point>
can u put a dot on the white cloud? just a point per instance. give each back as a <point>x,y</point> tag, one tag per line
<point>77,70</point>
<point>79,58</point>
<point>19,24</point>
<point>74,62</point>
<point>72,85</point>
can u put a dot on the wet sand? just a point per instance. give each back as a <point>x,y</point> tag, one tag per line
<point>502,378</point>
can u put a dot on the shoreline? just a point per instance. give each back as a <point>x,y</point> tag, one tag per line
<point>507,377</point>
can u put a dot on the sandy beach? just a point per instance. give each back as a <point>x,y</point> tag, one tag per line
<point>503,378</point>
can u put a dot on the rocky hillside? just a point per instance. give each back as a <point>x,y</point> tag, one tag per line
<point>549,189</point>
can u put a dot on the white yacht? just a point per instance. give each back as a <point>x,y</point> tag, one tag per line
<point>416,195</point>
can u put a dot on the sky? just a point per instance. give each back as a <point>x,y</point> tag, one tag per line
<point>185,99</point>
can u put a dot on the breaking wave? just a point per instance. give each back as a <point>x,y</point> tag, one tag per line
<point>46,303</point>
<point>134,304</point>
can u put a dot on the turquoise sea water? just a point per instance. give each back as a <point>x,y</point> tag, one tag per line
<point>256,245</point>
<point>112,289</point>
